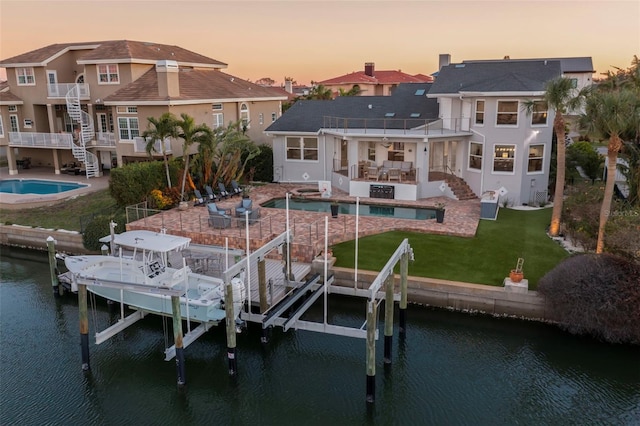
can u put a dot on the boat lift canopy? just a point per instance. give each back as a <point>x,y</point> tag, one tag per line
<point>149,241</point>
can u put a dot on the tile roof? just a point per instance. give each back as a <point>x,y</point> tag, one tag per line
<point>116,50</point>
<point>308,116</point>
<point>495,76</point>
<point>379,77</point>
<point>195,85</point>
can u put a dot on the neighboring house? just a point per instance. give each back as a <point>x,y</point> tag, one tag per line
<point>466,133</point>
<point>89,102</point>
<point>372,82</point>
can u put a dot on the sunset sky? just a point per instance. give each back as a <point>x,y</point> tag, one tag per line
<point>318,40</point>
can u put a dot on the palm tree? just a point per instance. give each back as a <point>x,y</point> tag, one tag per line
<point>320,92</point>
<point>159,130</point>
<point>560,96</point>
<point>190,134</point>
<point>612,115</point>
<point>354,91</point>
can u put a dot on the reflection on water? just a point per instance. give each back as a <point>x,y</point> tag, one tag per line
<point>451,369</point>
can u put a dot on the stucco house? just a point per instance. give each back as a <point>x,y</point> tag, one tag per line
<point>88,102</point>
<point>464,135</point>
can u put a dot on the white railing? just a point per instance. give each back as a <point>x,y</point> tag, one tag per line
<point>105,139</point>
<point>60,90</point>
<point>40,140</point>
<point>140,145</point>
<point>85,121</point>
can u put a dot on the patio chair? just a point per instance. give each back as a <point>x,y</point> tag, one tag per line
<point>393,174</point>
<point>235,188</point>
<point>214,210</point>
<point>372,173</point>
<point>220,221</point>
<point>245,204</point>
<point>212,195</point>
<point>222,190</point>
<point>199,198</point>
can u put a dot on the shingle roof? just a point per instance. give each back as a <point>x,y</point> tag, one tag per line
<point>115,50</point>
<point>573,64</point>
<point>195,85</point>
<point>495,76</point>
<point>308,116</point>
<point>6,97</point>
<point>379,77</point>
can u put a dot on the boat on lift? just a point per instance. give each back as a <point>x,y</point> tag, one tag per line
<point>139,275</point>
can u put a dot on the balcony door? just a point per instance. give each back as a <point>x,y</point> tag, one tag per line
<point>52,81</point>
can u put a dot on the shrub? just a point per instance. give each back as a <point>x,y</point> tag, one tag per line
<point>261,165</point>
<point>99,227</point>
<point>595,295</point>
<point>584,155</point>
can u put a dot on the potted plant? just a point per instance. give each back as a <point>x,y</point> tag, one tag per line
<point>334,208</point>
<point>245,192</point>
<point>439,212</point>
<point>516,275</point>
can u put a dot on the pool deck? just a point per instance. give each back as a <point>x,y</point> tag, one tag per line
<point>19,201</point>
<point>461,218</point>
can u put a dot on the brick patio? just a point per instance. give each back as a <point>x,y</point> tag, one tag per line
<point>461,219</point>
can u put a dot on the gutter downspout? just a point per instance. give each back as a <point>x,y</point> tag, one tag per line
<point>484,140</point>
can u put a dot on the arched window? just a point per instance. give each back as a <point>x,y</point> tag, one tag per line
<point>244,115</point>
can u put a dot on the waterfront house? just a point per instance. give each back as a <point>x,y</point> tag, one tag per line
<point>87,103</point>
<point>463,136</point>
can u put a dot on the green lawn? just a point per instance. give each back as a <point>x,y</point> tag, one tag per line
<point>485,259</point>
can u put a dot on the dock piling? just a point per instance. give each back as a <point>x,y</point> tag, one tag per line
<point>371,350</point>
<point>231,329</point>
<point>177,337</point>
<point>404,272</point>
<point>388,318</point>
<point>84,326</point>
<point>51,248</point>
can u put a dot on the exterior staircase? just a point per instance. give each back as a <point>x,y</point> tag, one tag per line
<point>460,188</point>
<point>85,122</point>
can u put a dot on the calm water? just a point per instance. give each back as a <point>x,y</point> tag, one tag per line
<point>36,186</point>
<point>350,208</point>
<point>453,369</point>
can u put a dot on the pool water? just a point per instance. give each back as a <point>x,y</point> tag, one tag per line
<point>36,186</point>
<point>350,208</point>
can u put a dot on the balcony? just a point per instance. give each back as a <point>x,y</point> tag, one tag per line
<point>140,145</point>
<point>395,126</point>
<point>60,90</point>
<point>40,140</point>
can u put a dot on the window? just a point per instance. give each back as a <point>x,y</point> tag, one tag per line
<point>108,74</point>
<point>13,108</point>
<point>396,152</point>
<point>536,156</point>
<point>244,115</point>
<point>420,92</point>
<point>261,118</point>
<point>574,83</point>
<point>480,112</point>
<point>371,151</point>
<point>1,128</point>
<point>25,77</point>
<point>302,149</point>
<point>127,110</point>
<point>216,107</point>
<point>539,114</point>
<point>274,116</point>
<point>128,127</point>
<point>13,123</point>
<point>475,156</point>
<point>507,113</point>
<point>503,158</point>
<point>218,119</point>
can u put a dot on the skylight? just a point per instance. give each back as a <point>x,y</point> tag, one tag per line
<point>419,92</point>
<point>390,114</point>
<point>415,114</point>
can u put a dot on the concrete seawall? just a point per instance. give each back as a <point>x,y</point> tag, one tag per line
<point>428,291</point>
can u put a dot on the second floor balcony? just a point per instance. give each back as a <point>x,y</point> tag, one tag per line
<point>56,140</point>
<point>60,90</point>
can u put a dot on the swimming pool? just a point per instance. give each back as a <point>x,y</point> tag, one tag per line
<point>37,186</point>
<point>350,208</point>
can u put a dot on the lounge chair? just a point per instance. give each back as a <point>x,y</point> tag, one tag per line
<point>222,190</point>
<point>200,201</point>
<point>220,221</point>
<point>235,188</point>
<point>212,195</point>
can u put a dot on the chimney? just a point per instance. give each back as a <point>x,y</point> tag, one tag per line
<point>369,68</point>
<point>168,84</point>
<point>443,60</point>
<point>288,86</point>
